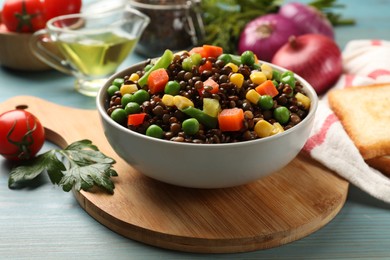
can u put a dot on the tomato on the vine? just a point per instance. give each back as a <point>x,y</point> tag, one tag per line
<point>23,15</point>
<point>54,8</point>
<point>21,135</point>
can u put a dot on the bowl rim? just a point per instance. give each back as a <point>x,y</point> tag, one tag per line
<point>101,97</point>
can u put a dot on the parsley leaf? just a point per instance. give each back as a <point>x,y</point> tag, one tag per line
<point>80,166</point>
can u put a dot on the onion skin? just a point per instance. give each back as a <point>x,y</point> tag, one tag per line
<point>315,57</point>
<point>265,35</point>
<point>307,18</point>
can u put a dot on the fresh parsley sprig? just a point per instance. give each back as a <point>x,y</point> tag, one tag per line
<point>80,166</point>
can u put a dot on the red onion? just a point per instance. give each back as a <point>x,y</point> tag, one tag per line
<point>265,35</point>
<point>307,18</point>
<point>315,57</point>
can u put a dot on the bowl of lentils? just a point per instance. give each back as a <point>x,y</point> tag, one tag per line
<point>206,119</point>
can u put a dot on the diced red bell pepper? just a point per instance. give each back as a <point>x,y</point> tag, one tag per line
<point>136,119</point>
<point>210,83</point>
<point>206,66</point>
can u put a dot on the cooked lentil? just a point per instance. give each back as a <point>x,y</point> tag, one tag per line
<point>169,118</point>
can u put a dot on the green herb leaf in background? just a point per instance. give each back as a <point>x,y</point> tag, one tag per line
<point>224,20</point>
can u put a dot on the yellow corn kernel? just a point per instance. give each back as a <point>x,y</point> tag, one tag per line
<point>258,77</point>
<point>304,100</point>
<point>168,100</point>
<point>278,128</point>
<point>233,66</point>
<point>182,102</point>
<point>237,79</point>
<point>263,128</point>
<point>267,69</point>
<point>134,77</point>
<point>128,89</point>
<point>252,96</point>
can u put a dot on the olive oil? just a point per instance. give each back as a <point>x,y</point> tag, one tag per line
<point>96,56</point>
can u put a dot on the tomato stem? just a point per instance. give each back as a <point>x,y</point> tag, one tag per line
<point>24,18</point>
<point>25,143</point>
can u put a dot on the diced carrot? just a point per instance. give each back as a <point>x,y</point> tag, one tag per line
<point>207,66</point>
<point>199,50</point>
<point>157,80</point>
<point>207,51</point>
<point>136,119</point>
<point>267,88</point>
<point>231,119</point>
<point>212,51</point>
<point>209,83</point>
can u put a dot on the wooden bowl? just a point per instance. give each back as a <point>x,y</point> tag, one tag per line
<point>15,52</point>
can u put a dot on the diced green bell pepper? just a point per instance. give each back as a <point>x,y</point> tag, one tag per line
<point>202,117</point>
<point>162,62</point>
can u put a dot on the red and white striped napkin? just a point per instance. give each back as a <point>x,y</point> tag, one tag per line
<point>365,62</point>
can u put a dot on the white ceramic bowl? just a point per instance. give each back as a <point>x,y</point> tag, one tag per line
<point>205,165</point>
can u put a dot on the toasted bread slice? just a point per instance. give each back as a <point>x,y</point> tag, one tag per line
<point>365,115</point>
<point>382,164</point>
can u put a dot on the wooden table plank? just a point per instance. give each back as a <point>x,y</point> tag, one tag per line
<point>45,223</point>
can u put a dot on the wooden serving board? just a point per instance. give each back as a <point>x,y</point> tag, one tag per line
<point>281,208</point>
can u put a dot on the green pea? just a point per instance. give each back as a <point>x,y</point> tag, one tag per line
<point>132,108</point>
<point>225,58</point>
<point>148,67</point>
<point>140,96</point>
<point>154,131</point>
<point>248,58</point>
<point>126,98</point>
<point>190,126</point>
<point>118,82</point>
<point>288,78</point>
<point>119,115</point>
<point>112,89</point>
<point>287,73</point>
<point>282,114</point>
<point>266,102</point>
<point>276,75</point>
<point>172,88</point>
<point>187,64</point>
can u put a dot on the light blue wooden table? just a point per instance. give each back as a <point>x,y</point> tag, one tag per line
<point>43,222</point>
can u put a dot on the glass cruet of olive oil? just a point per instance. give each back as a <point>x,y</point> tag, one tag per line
<point>90,46</point>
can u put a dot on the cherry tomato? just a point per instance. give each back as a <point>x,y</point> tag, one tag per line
<point>55,8</point>
<point>23,15</point>
<point>32,15</point>
<point>21,135</point>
